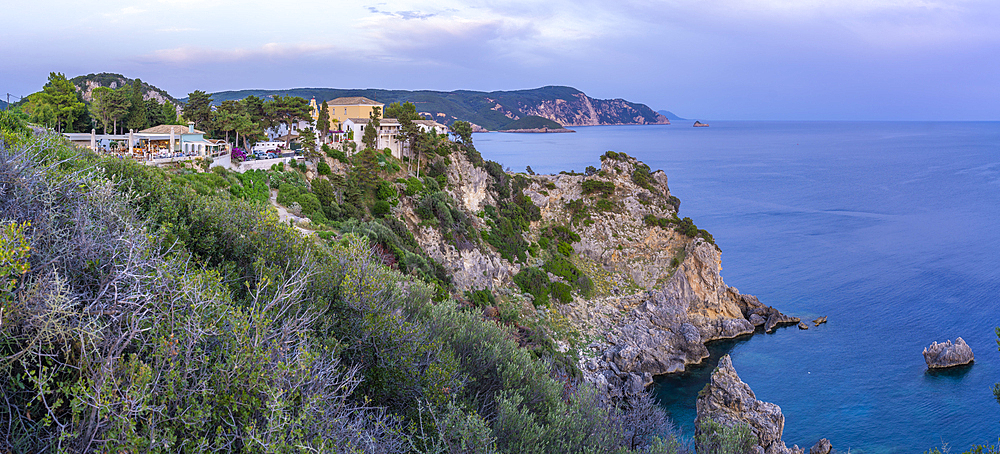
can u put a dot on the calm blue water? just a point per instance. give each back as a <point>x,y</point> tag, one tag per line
<point>888,228</point>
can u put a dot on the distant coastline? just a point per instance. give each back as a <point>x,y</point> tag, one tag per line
<point>538,130</point>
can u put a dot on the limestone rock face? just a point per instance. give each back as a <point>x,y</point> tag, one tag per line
<point>728,401</point>
<point>939,356</point>
<point>658,295</point>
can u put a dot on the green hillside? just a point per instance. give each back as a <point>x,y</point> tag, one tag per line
<point>446,107</point>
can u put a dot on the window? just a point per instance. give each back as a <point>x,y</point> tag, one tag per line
<point>345,111</point>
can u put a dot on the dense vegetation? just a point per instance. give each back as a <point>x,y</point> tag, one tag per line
<point>145,310</point>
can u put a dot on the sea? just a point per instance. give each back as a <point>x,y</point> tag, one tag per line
<point>890,229</point>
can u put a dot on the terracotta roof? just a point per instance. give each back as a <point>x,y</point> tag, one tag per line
<point>165,129</point>
<point>353,101</point>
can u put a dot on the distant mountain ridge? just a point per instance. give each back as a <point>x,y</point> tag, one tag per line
<point>490,110</point>
<point>670,115</point>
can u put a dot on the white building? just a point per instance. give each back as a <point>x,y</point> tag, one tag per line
<point>281,130</point>
<point>390,134</point>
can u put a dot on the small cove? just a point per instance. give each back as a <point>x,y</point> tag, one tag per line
<point>888,228</point>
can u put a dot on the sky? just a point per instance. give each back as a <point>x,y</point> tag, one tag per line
<point>720,59</point>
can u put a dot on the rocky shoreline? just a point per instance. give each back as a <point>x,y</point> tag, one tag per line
<point>659,296</point>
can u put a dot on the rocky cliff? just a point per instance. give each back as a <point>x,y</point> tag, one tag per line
<point>86,85</point>
<point>582,110</point>
<point>728,402</point>
<point>657,296</point>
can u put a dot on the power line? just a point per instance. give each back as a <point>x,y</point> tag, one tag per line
<point>7,106</point>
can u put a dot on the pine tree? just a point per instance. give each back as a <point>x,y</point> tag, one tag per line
<point>137,118</point>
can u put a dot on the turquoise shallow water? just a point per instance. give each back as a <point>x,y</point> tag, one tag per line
<point>888,228</point>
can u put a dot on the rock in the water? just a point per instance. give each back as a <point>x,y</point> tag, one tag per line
<point>822,446</point>
<point>777,319</point>
<point>819,321</point>
<point>728,401</point>
<point>803,326</point>
<point>939,356</point>
<point>757,320</point>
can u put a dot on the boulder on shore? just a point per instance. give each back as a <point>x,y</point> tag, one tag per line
<point>947,354</point>
<point>822,446</point>
<point>730,402</point>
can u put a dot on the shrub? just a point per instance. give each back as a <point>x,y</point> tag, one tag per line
<point>534,281</point>
<point>560,266</point>
<point>604,205</point>
<point>560,233</point>
<point>561,292</point>
<point>386,191</point>
<point>674,202</point>
<point>564,249</point>
<point>597,186</point>
<point>715,438</point>
<point>413,186</point>
<point>381,208</point>
<point>334,153</point>
<point>590,170</point>
<point>480,298</point>
<point>323,168</point>
<point>613,156</point>
<point>641,176</point>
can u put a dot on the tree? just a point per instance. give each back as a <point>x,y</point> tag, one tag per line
<point>199,109</point>
<point>405,113</point>
<point>463,130</point>
<point>287,110</point>
<point>63,103</point>
<point>371,130</point>
<point>154,114</point>
<point>100,106</point>
<point>168,111</point>
<point>118,103</point>
<point>227,117</point>
<point>137,118</point>
<point>323,121</point>
<point>400,111</point>
<point>308,138</point>
<point>256,120</point>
